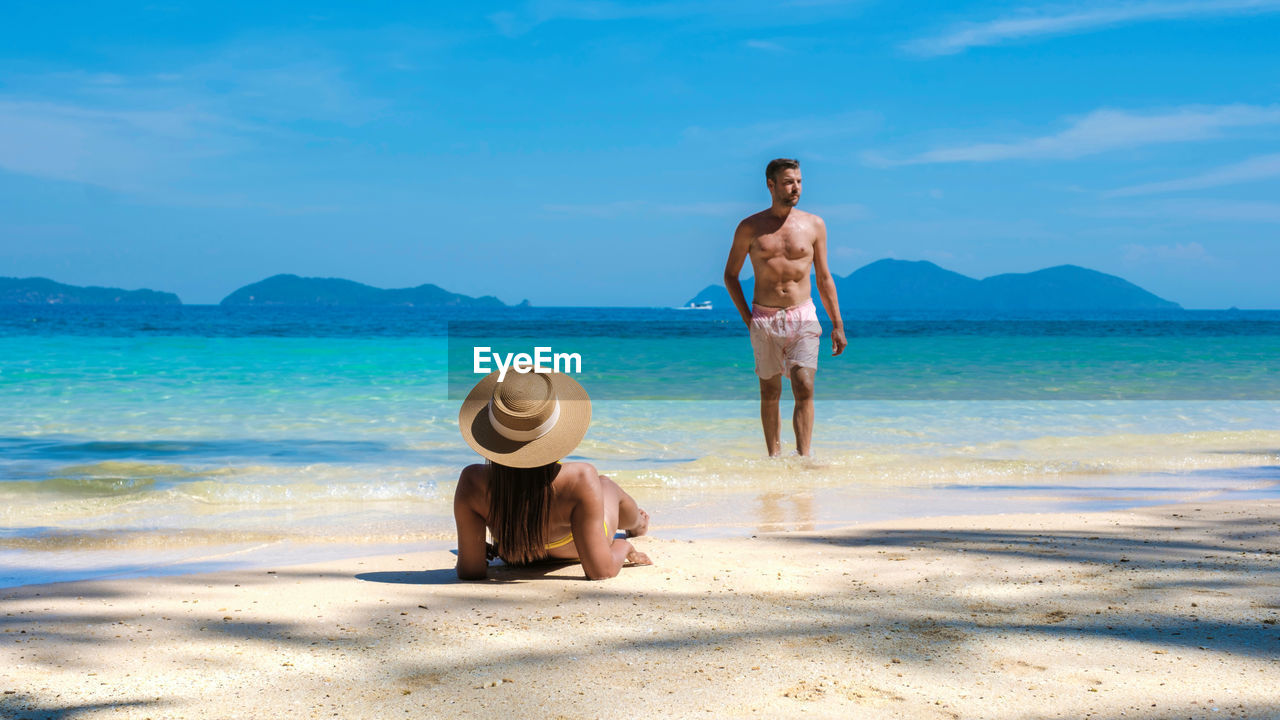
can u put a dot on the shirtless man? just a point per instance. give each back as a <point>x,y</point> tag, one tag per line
<point>784,244</point>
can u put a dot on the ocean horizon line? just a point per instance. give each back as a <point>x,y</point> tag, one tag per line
<point>845,312</point>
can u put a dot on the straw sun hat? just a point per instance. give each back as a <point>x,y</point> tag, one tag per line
<point>527,420</point>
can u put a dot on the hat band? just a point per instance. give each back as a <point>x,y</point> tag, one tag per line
<point>524,435</point>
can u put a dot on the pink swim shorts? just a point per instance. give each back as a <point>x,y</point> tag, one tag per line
<point>783,338</point>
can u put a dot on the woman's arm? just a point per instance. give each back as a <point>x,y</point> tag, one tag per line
<point>472,563</point>
<point>602,557</point>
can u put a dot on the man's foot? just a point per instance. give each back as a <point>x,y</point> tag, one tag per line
<point>642,525</point>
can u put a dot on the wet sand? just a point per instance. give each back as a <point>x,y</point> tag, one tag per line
<point>1160,612</point>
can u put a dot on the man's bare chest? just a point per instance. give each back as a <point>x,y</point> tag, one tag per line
<point>787,244</point>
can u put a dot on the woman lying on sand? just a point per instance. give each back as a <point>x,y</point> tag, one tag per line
<point>536,507</point>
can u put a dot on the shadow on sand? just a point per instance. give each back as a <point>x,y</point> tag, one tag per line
<point>448,576</point>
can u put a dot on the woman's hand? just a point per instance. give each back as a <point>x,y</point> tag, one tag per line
<point>635,557</point>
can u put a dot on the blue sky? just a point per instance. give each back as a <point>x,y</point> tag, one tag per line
<point>601,153</point>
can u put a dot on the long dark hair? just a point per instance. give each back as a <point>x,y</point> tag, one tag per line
<point>519,508</point>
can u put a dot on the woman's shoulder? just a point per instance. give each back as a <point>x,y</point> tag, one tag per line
<point>475,470</point>
<point>579,470</point>
<point>579,478</point>
<point>473,476</point>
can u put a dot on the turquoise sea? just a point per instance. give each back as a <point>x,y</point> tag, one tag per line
<point>140,441</point>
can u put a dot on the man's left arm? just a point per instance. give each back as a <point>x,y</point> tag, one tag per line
<point>827,287</point>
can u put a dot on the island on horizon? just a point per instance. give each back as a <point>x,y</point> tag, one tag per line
<point>883,285</point>
<point>921,285</point>
<point>292,290</point>
<point>43,291</point>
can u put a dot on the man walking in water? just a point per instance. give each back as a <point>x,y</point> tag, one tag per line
<point>784,244</point>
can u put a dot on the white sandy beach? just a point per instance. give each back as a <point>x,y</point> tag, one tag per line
<point>1164,612</point>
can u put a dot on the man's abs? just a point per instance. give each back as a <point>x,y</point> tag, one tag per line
<point>779,292</point>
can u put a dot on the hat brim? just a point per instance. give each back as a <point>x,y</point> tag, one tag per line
<point>562,439</point>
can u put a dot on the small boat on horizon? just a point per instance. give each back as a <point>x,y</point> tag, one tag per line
<point>704,305</point>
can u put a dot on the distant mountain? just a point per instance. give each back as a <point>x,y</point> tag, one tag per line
<point>921,285</point>
<point>42,291</point>
<point>902,285</point>
<point>294,290</point>
<point>1068,287</point>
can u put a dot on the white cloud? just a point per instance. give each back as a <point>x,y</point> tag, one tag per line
<point>1226,210</point>
<point>984,229</point>
<point>1104,130</point>
<point>596,210</point>
<point>533,13</point>
<point>142,133</point>
<point>1179,253</point>
<point>843,211</point>
<point>123,150</point>
<point>621,208</point>
<point>537,12</point>
<point>1066,19</point>
<point>1261,167</point>
<point>280,85</point>
<point>938,256</point>
<point>732,209</point>
<point>1200,210</point>
<point>768,134</point>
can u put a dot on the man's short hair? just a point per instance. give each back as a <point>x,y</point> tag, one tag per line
<point>778,165</point>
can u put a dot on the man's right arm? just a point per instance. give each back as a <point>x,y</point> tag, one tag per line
<point>733,267</point>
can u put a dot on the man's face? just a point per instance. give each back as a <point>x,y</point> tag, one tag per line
<point>785,187</point>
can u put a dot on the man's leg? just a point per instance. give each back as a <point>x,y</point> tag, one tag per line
<point>802,417</point>
<point>770,392</point>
